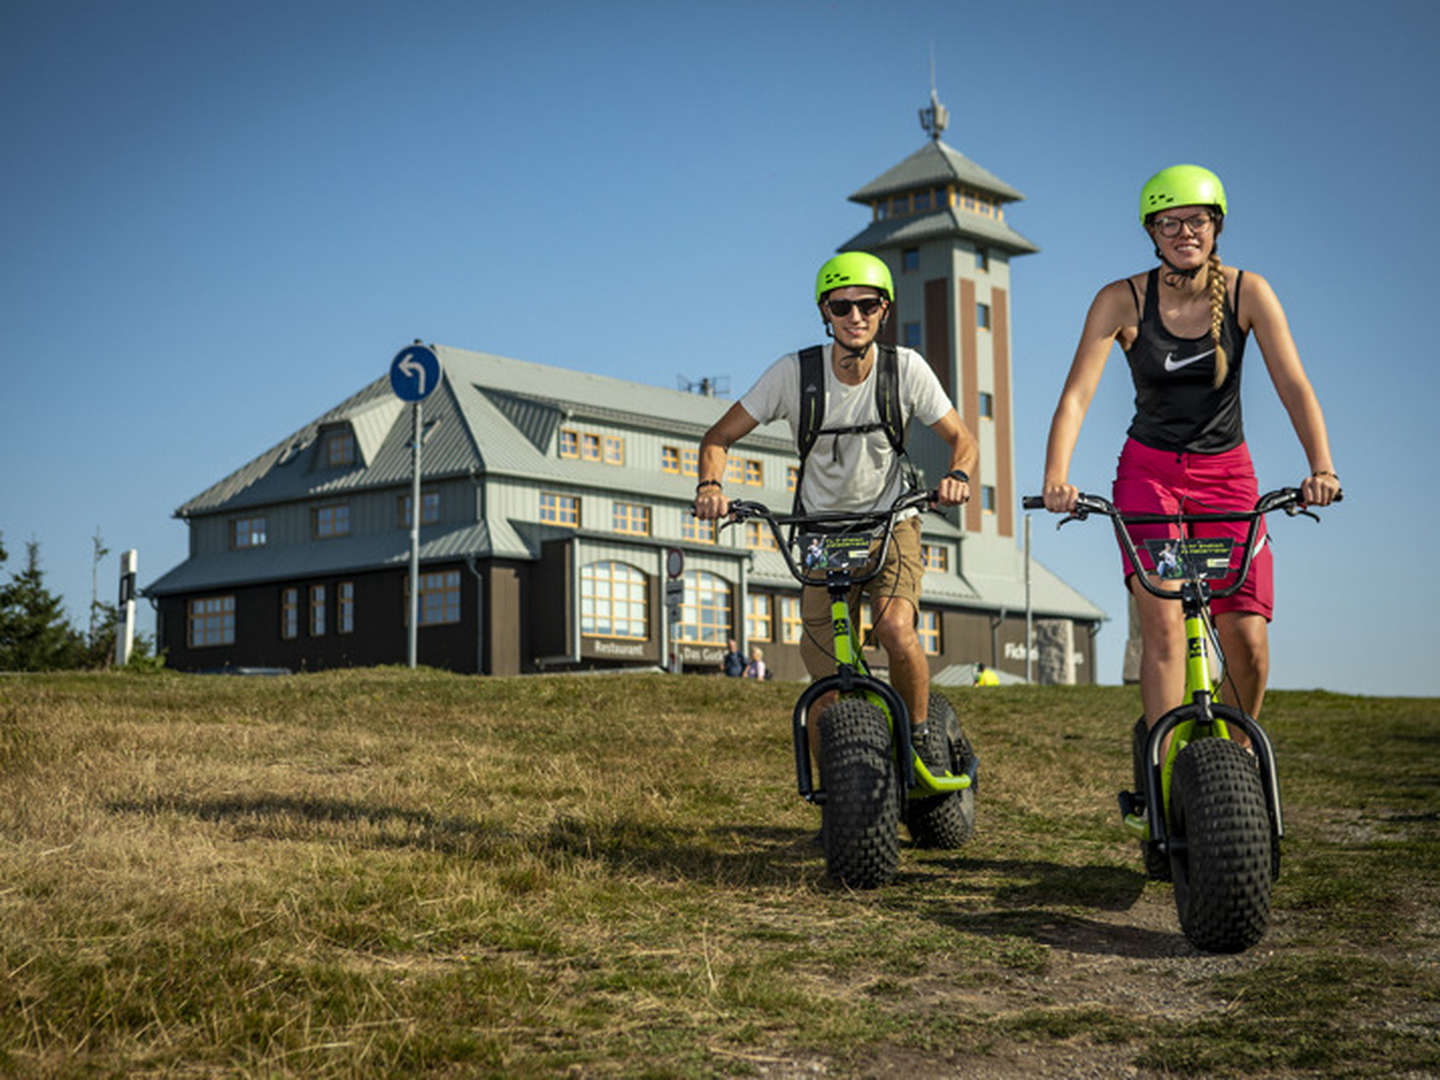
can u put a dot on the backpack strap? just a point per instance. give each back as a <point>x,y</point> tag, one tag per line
<point>887,396</point>
<point>812,399</point>
<point>887,408</point>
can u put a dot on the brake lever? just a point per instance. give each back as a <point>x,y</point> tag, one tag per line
<point>1078,514</point>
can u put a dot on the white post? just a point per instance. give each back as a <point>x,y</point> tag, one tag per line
<point>415,539</point>
<point>125,612</point>
<point>1029,634</point>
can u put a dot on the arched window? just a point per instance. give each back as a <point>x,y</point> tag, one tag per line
<point>705,608</point>
<point>613,601</point>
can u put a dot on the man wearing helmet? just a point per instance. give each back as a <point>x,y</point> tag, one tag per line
<point>852,464</point>
<point>1183,326</point>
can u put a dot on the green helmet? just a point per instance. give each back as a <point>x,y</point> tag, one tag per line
<point>1181,185</point>
<point>854,268</point>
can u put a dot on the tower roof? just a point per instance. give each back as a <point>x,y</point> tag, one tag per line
<point>908,231</point>
<point>935,164</point>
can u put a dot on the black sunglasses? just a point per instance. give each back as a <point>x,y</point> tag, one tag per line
<point>868,306</point>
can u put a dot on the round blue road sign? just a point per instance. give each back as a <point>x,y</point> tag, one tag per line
<point>414,373</point>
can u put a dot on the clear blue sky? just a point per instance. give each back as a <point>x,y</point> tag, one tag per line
<point>222,219</point>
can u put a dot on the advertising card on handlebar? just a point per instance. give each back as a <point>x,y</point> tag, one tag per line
<point>829,551</point>
<point>1197,557</point>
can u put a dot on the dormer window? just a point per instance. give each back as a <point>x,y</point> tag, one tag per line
<point>340,448</point>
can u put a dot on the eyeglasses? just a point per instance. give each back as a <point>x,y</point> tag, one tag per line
<point>868,306</point>
<point>1199,224</point>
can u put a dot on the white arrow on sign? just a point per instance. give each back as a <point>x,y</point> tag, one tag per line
<point>415,370</point>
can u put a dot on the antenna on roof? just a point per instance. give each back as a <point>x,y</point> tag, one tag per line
<point>705,386</point>
<point>936,118</point>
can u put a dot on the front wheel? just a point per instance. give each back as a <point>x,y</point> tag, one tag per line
<point>1221,856</point>
<point>944,821</point>
<point>860,817</point>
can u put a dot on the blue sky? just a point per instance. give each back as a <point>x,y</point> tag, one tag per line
<point>222,219</point>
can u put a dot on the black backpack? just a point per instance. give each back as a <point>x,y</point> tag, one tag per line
<point>887,407</point>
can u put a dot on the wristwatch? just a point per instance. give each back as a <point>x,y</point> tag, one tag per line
<point>959,474</point>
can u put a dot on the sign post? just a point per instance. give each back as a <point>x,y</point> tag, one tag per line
<point>674,595</point>
<point>414,374</point>
<point>125,625</point>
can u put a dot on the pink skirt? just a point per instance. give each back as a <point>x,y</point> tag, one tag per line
<point>1150,481</point>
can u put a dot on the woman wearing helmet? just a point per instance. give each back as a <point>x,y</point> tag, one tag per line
<point>1183,327</point>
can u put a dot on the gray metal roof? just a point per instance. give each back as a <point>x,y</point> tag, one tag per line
<point>355,553</point>
<point>490,414</point>
<point>935,164</point>
<point>498,416</point>
<point>909,231</point>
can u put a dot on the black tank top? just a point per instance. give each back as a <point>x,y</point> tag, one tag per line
<point>1177,407</point>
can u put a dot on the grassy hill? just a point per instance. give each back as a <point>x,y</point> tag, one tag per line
<point>385,872</point>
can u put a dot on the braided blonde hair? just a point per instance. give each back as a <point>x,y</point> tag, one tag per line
<point>1215,282</point>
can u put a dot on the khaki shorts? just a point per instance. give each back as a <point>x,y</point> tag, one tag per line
<point>899,579</point>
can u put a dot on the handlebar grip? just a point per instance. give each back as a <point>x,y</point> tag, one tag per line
<point>1033,502</point>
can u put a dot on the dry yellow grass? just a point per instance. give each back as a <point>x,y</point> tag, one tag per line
<point>393,873</point>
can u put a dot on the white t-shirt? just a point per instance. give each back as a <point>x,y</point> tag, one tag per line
<point>856,472</point>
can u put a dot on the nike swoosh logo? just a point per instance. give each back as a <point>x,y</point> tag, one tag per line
<point>1171,364</point>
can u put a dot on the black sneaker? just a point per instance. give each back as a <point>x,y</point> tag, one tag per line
<point>932,746</point>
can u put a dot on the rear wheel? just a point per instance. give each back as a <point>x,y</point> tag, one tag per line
<point>1222,863</point>
<point>860,817</point>
<point>1157,864</point>
<point>944,821</point>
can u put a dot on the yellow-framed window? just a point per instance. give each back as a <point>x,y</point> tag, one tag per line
<point>935,557</point>
<point>559,509</point>
<point>791,625</point>
<point>927,626</point>
<point>589,447</point>
<point>689,461</point>
<point>792,477</point>
<point>759,537</point>
<point>614,601</point>
<point>670,459</point>
<point>696,529</point>
<point>612,450</point>
<point>704,609</point>
<point>569,443</point>
<point>632,518</point>
<point>759,617</point>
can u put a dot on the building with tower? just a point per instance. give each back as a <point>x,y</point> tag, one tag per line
<point>553,501</point>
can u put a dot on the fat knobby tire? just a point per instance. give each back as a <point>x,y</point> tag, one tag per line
<point>1222,873</point>
<point>1157,863</point>
<point>944,821</point>
<point>860,818</point>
